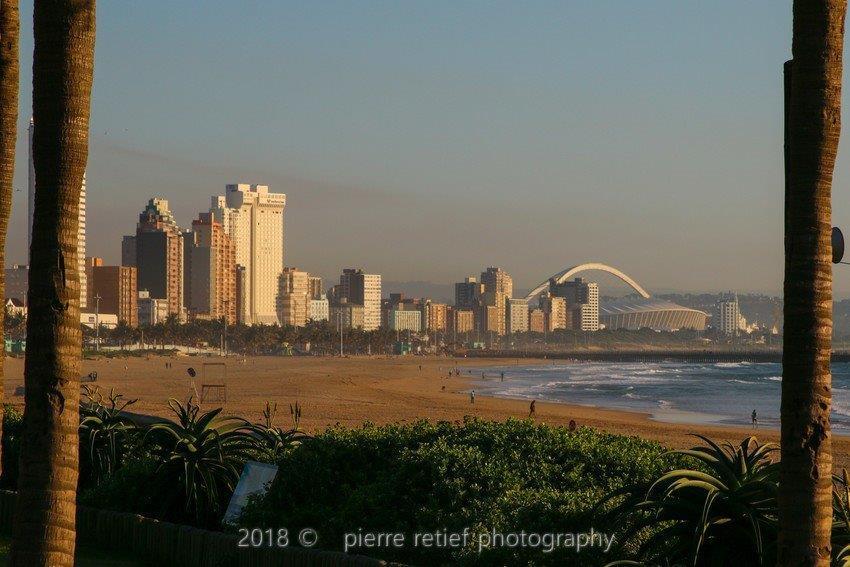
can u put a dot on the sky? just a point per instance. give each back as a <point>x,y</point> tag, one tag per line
<point>428,140</point>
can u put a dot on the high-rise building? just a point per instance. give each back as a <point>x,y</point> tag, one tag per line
<point>128,250</point>
<point>293,300</point>
<point>363,289</point>
<point>114,291</point>
<point>434,316</point>
<point>347,315</point>
<point>314,286</point>
<point>537,321</point>
<point>462,321</point>
<point>467,293</point>
<point>159,255</point>
<point>90,264</point>
<point>554,312</point>
<point>81,219</point>
<point>209,270</point>
<point>728,314</point>
<point>498,287</point>
<point>242,315</point>
<point>253,218</point>
<point>17,282</point>
<point>582,301</point>
<point>319,310</point>
<point>516,318</point>
<point>404,320</point>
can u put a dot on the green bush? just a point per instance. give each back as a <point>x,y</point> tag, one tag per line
<point>424,477</point>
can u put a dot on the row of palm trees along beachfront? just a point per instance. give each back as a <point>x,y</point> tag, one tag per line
<point>64,32</point>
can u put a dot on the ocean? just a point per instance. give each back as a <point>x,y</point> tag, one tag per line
<point>698,393</point>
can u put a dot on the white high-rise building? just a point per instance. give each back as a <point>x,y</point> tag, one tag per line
<point>253,218</point>
<point>728,314</point>
<point>81,235</point>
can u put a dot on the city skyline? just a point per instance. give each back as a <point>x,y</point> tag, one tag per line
<point>427,157</point>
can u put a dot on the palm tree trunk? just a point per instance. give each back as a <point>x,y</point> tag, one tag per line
<point>814,125</point>
<point>9,28</point>
<point>63,63</point>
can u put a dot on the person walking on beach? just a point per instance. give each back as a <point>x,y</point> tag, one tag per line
<point>531,408</point>
<point>472,397</point>
<point>503,377</point>
<point>755,420</point>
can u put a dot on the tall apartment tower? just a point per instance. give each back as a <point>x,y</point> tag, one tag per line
<point>555,314</point>
<point>314,284</point>
<point>582,301</point>
<point>159,255</point>
<point>293,300</point>
<point>253,218</point>
<point>498,288</point>
<point>363,289</point>
<point>210,270</point>
<point>467,293</point>
<point>728,314</point>
<point>81,228</point>
<point>117,289</point>
<point>516,317</point>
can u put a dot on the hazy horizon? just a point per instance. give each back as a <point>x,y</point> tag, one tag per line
<point>426,142</point>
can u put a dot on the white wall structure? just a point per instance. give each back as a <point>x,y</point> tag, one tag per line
<point>81,236</point>
<point>253,218</point>
<point>404,320</point>
<point>319,310</point>
<point>516,318</point>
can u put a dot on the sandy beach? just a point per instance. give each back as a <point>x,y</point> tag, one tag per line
<point>350,391</point>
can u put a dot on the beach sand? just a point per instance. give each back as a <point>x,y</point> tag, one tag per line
<point>350,391</point>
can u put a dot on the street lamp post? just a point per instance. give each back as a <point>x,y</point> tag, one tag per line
<point>339,319</point>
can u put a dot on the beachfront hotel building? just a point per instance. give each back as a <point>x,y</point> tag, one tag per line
<point>319,310</point>
<point>346,315</point>
<point>114,290</point>
<point>315,288</point>
<point>537,321</point>
<point>462,321</point>
<point>434,316</point>
<point>516,317</point>
<point>555,314</point>
<point>404,320</point>
<point>252,217</point>
<point>728,314</point>
<point>360,288</point>
<point>497,287</point>
<point>582,300</point>
<point>293,300</point>
<point>467,293</point>
<point>159,255</point>
<point>209,270</point>
<point>81,218</point>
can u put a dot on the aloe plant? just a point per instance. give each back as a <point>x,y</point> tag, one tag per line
<point>276,442</point>
<point>722,513</point>
<point>201,457</point>
<point>106,432</point>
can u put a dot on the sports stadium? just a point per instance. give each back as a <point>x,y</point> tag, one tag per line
<point>633,313</point>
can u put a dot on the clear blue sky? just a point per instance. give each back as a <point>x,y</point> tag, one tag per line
<point>427,140</point>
